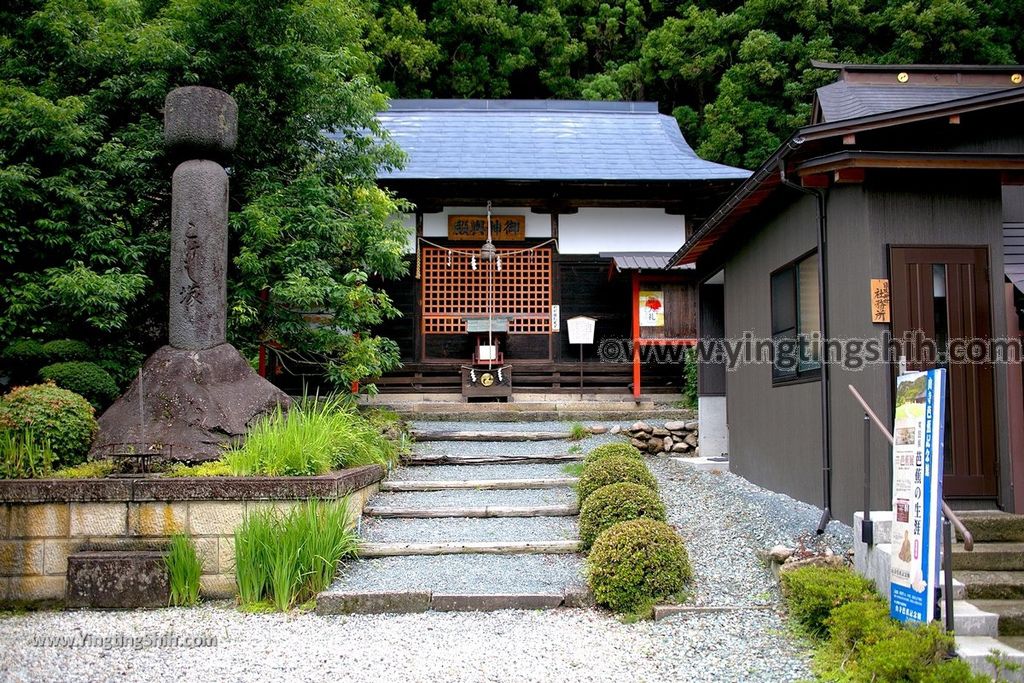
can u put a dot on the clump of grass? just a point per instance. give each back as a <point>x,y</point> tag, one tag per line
<point>23,456</point>
<point>183,570</point>
<point>94,469</point>
<point>285,560</point>
<point>578,432</point>
<point>214,468</point>
<point>313,437</point>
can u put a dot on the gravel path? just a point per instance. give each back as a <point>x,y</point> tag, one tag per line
<point>561,645</point>
<point>726,520</point>
<point>475,498</point>
<point>462,529</point>
<point>485,574</point>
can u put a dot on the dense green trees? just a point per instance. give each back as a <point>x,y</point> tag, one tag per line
<point>84,181</point>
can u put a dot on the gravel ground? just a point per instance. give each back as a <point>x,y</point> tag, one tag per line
<point>476,498</point>
<point>485,574</point>
<point>726,520</point>
<point>461,529</point>
<point>462,472</point>
<point>561,645</point>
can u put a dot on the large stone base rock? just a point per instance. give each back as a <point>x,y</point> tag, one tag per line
<point>188,404</point>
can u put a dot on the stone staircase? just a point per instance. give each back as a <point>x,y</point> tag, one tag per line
<point>479,518</point>
<point>988,608</point>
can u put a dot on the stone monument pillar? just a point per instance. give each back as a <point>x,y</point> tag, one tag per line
<point>198,393</point>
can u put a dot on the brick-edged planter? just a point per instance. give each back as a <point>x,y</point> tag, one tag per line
<point>42,521</point>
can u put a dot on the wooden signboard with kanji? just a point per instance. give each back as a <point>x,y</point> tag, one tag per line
<point>474,228</point>
<point>879,300</point>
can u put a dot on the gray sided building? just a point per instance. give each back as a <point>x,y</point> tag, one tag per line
<point>898,209</point>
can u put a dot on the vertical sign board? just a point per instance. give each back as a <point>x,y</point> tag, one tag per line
<point>652,308</point>
<point>917,494</point>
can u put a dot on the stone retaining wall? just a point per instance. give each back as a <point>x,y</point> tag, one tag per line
<point>42,521</point>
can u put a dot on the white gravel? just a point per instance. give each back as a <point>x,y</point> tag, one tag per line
<point>561,645</point>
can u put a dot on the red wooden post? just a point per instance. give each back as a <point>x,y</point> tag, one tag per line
<point>636,336</point>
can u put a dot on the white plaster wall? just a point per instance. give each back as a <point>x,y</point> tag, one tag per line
<point>594,230</point>
<point>436,224</point>
<point>714,427</point>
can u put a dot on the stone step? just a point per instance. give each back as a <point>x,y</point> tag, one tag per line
<point>418,459</point>
<point>462,472</point>
<point>977,650</point>
<point>427,530</point>
<point>1010,614</point>
<point>369,550</point>
<point>478,484</point>
<point>394,512</point>
<point>412,602</point>
<point>492,436</point>
<point>993,527</point>
<point>989,557</point>
<point>985,585</point>
<point>461,498</point>
<point>970,620</point>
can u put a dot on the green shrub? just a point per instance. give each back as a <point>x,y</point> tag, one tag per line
<point>813,592</point>
<point>23,456</point>
<point>22,359</point>
<point>617,448</point>
<point>311,438</point>
<point>84,378</point>
<point>183,571</point>
<point>62,350</point>
<point>287,559</point>
<point>612,470</point>
<point>121,362</point>
<point>636,563</point>
<point>690,378</point>
<point>616,503</point>
<point>94,469</point>
<point>213,468</point>
<point>58,416</point>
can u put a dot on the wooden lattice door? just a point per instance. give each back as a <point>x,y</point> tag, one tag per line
<point>452,290</point>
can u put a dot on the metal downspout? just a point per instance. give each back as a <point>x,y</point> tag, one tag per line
<point>822,244</point>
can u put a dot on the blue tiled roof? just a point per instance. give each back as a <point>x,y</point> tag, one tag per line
<point>543,140</point>
<point>842,100</point>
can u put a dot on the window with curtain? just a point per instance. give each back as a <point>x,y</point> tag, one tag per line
<point>796,329</point>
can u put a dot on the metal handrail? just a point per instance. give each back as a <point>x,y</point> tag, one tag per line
<point>946,511</point>
<point>949,517</point>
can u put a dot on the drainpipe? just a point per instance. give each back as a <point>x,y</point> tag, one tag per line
<point>826,431</point>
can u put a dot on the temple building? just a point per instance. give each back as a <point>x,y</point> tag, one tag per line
<point>585,202</point>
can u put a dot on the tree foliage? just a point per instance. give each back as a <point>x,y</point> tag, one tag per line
<point>84,178</point>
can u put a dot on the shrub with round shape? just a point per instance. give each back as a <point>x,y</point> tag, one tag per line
<point>21,359</point>
<point>635,564</point>
<point>612,470</point>
<point>57,415</point>
<point>61,350</point>
<point>618,448</point>
<point>616,503</point>
<point>84,378</point>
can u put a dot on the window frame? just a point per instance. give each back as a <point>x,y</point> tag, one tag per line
<point>797,375</point>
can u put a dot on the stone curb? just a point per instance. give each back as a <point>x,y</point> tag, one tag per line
<point>665,611</point>
<point>414,602</point>
<point>147,489</point>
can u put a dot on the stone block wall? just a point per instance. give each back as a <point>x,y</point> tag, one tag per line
<point>43,521</point>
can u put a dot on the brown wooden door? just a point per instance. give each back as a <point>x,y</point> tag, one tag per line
<point>943,292</point>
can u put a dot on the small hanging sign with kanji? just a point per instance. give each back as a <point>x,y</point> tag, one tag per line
<point>879,300</point>
<point>474,228</point>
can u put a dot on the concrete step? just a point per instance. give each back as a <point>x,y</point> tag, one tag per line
<point>419,459</point>
<point>989,557</point>
<point>368,550</point>
<point>1009,612</point>
<point>430,530</point>
<point>977,651</point>
<point>502,436</point>
<point>479,484</point>
<point>392,512</point>
<point>553,470</point>
<point>466,498</point>
<point>985,585</point>
<point>410,602</point>
<point>970,620</point>
<point>993,527</point>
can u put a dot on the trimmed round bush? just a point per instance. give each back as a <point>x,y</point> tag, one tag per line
<point>84,378</point>
<point>617,448</point>
<point>812,593</point>
<point>616,503</point>
<point>57,415</point>
<point>637,563</point>
<point>612,470</point>
<point>61,350</point>
<point>21,360</point>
